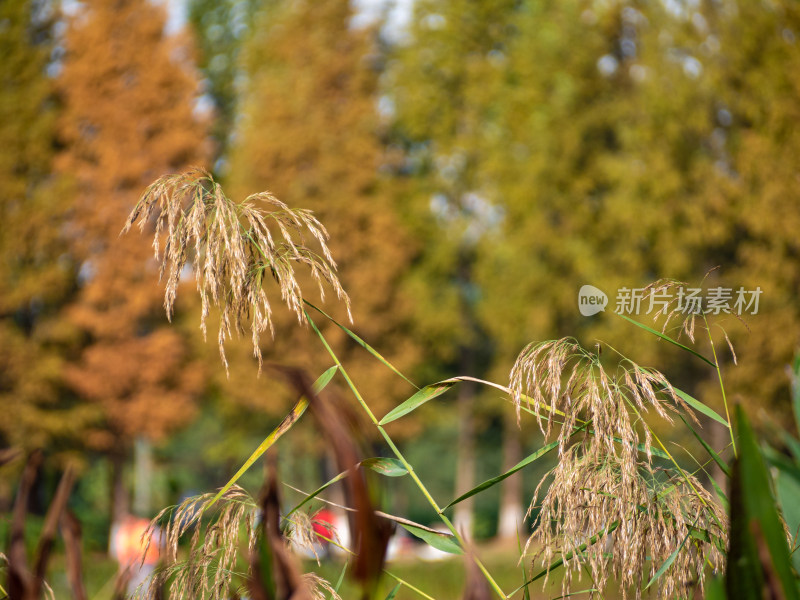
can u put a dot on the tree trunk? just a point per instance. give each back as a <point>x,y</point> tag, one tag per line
<point>119,495</point>
<point>465,461</point>
<point>463,516</point>
<point>142,476</point>
<point>509,524</point>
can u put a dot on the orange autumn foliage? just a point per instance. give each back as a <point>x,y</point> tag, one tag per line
<point>128,92</point>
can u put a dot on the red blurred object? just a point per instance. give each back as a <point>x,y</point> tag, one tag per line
<point>322,522</point>
<point>129,544</point>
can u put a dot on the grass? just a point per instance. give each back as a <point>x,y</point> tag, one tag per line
<point>99,571</point>
<point>442,580</point>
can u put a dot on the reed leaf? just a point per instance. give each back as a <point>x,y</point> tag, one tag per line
<point>288,421</point>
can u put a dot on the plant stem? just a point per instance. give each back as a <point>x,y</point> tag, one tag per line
<point>408,585</point>
<point>721,386</point>
<point>495,586</point>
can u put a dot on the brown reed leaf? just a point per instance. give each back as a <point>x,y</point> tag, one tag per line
<point>476,586</point>
<point>71,532</point>
<point>370,532</point>
<point>120,591</point>
<point>50,527</point>
<point>8,455</point>
<point>20,579</point>
<point>286,575</point>
<point>24,584</point>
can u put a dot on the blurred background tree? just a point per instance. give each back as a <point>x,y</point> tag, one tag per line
<point>309,132</point>
<point>442,86</point>
<point>128,93</point>
<point>620,159</point>
<point>754,99</point>
<point>36,274</point>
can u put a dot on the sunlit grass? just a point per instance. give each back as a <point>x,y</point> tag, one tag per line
<point>442,580</point>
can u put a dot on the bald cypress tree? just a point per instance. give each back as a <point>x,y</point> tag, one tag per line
<point>36,274</point>
<point>632,143</point>
<point>128,93</point>
<point>309,132</point>
<point>444,84</point>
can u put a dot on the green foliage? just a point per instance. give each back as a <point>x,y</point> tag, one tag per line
<point>426,394</point>
<point>758,560</point>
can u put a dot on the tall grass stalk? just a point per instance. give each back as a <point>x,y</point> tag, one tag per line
<point>417,481</point>
<point>659,527</point>
<point>721,383</point>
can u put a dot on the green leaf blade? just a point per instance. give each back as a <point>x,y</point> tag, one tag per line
<point>389,467</point>
<point>759,551</point>
<point>700,407</point>
<point>316,493</point>
<point>426,394</point>
<point>284,426</point>
<point>440,541</point>
<point>711,452</point>
<point>670,559</point>
<point>358,340</point>
<point>394,591</point>
<point>495,480</point>
<point>668,339</point>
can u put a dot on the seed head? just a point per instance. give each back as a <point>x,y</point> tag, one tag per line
<point>235,249</point>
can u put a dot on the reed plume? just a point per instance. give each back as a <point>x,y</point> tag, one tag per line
<point>235,248</point>
<point>608,509</point>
